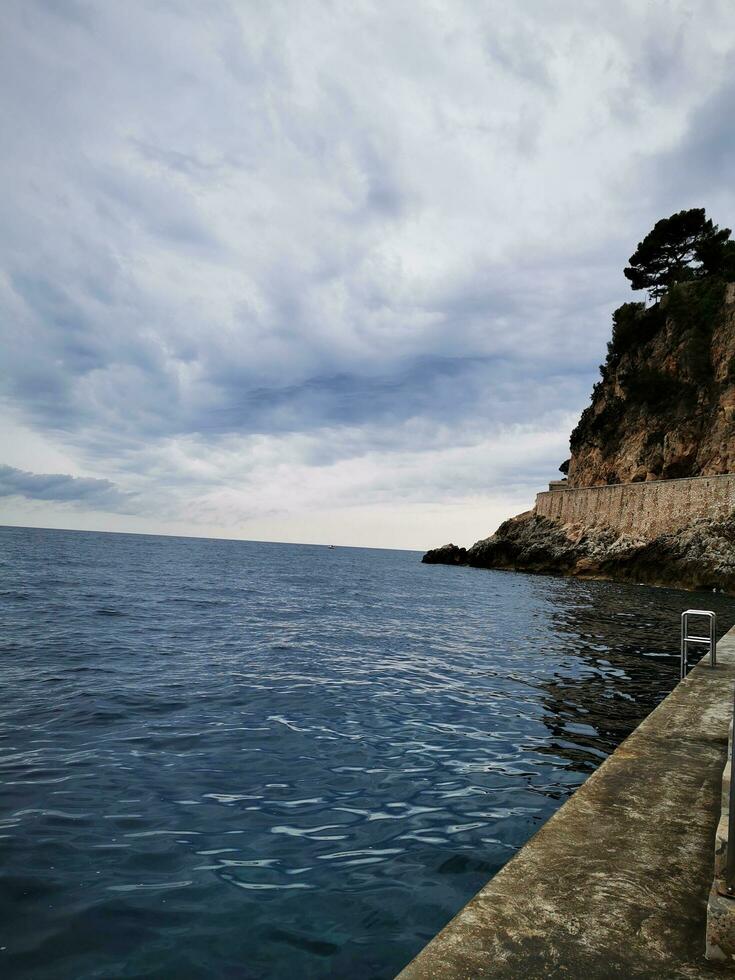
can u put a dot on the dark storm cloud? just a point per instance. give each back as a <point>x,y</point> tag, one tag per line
<point>448,390</point>
<point>702,161</point>
<point>61,487</point>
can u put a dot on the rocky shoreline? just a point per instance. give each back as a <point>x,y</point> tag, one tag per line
<point>700,556</point>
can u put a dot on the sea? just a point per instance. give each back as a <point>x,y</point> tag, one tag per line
<point>230,759</point>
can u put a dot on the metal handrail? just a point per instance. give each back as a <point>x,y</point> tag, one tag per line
<point>686,639</point>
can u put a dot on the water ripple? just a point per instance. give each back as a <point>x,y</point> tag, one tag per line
<point>222,758</point>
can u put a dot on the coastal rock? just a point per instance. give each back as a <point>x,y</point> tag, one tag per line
<point>700,556</point>
<point>448,554</point>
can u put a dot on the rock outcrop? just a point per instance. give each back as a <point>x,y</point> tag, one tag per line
<point>700,556</point>
<point>448,554</point>
<point>665,406</point>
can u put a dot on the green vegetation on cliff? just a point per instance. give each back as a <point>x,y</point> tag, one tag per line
<point>664,404</point>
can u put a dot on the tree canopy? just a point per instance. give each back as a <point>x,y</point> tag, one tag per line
<point>685,246</point>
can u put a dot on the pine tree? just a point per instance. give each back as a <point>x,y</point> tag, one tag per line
<point>685,246</point>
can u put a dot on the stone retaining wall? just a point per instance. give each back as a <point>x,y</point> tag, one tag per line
<point>643,509</point>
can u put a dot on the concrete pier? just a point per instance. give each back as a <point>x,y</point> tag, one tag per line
<point>615,884</point>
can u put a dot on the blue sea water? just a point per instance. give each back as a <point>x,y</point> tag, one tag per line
<point>236,759</point>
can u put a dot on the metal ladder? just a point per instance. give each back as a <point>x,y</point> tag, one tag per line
<point>709,641</point>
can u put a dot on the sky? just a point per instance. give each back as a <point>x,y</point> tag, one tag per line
<point>329,272</point>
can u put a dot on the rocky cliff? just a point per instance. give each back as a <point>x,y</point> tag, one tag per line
<point>665,406</point>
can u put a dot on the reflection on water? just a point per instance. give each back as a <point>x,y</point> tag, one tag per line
<point>236,759</point>
<point>626,643</point>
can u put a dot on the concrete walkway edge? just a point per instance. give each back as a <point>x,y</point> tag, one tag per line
<point>615,884</point>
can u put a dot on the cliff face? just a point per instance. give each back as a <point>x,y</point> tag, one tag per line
<point>665,406</point>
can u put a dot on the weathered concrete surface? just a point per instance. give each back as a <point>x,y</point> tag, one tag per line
<point>721,906</point>
<point>615,884</point>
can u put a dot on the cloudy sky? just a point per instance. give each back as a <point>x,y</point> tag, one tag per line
<point>329,271</point>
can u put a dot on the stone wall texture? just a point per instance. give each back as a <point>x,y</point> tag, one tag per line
<point>642,509</point>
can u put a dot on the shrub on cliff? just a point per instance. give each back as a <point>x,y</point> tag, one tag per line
<point>718,260</point>
<point>694,311</point>
<point>653,388</point>
<point>599,427</point>
<point>633,325</point>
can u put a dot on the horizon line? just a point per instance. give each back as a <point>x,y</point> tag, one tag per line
<point>202,537</point>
